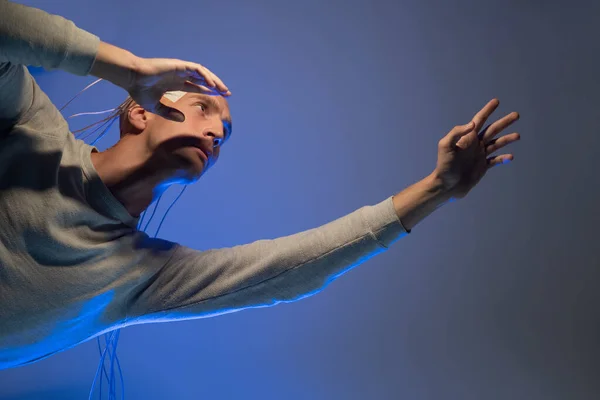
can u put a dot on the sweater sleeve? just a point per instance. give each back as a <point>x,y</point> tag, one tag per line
<point>29,36</point>
<point>197,284</point>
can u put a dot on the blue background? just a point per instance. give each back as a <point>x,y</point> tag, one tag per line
<point>340,104</point>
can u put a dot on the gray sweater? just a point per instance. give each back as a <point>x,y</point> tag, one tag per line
<point>72,263</point>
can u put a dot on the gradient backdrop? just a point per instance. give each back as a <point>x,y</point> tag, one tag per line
<point>339,104</point>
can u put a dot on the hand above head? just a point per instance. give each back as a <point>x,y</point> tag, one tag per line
<point>155,76</point>
<point>465,153</point>
<point>147,79</point>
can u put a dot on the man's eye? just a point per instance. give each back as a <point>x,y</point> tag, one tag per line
<point>202,105</point>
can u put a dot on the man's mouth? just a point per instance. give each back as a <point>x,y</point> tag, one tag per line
<point>202,154</point>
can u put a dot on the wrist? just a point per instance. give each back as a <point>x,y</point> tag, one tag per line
<point>435,185</point>
<point>115,65</point>
<point>419,200</point>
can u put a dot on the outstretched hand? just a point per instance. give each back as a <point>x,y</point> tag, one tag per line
<point>155,76</point>
<point>465,154</point>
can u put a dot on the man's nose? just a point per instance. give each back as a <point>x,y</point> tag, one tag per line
<point>216,135</point>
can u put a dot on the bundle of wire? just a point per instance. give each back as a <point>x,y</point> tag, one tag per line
<point>111,339</point>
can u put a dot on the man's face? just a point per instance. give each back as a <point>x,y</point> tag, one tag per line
<point>192,146</point>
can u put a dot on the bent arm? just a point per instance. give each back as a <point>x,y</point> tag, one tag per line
<point>30,36</point>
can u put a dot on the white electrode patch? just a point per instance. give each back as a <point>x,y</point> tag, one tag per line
<point>174,95</point>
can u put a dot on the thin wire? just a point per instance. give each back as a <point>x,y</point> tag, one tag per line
<point>113,387</point>
<point>102,358</point>
<point>91,113</point>
<point>103,372</point>
<point>104,132</point>
<point>142,219</point>
<point>109,338</point>
<point>100,366</point>
<point>169,209</point>
<point>153,212</point>
<point>85,128</point>
<point>77,95</point>
<point>82,137</point>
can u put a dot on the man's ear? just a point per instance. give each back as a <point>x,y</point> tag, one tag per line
<point>138,118</point>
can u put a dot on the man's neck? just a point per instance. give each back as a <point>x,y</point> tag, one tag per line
<point>131,183</point>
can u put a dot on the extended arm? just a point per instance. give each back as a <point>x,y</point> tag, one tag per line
<point>196,284</point>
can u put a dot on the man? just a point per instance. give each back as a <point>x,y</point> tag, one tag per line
<point>72,263</point>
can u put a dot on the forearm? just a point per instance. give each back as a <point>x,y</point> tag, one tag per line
<point>30,36</point>
<point>114,64</point>
<point>419,200</point>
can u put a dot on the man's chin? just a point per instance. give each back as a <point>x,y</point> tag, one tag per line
<point>189,175</point>
<point>194,175</point>
<point>190,166</point>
